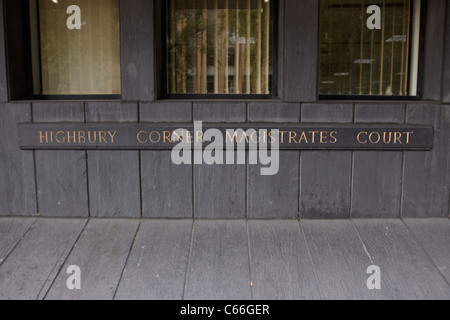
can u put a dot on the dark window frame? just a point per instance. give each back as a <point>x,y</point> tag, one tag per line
<point>418,97</point>
<point>161,37</point>
<point>19,69</point>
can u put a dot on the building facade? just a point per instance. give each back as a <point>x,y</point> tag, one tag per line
<point>144,88</point>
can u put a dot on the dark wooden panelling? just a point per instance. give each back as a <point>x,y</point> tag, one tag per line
<point>327,113</point>
<point>17,182</point>
<point>219,266</point>
<point>301,33</point>
<point>339,260</point>
<point>377,176</point>
<point>156,268</point>
<point>111,112</point>
<point>325,182</point>
<point>219,191</point>
<point>220,112</point>
<point>426,188</point>
<point>281,267</point>
<point>166,112</point>
<point>434,236</point>
<point>377,179</point>
<point>35,262</point>
<point>114,188</point>
<point>12,231</point>
<point>274,112</point>
<point>434,48</point>
<point>166,187</point>
<point>446,87</point>
<point>3,78</point>
<point>101,253</point>
<point>325,185</point>
<point>61,175</point>
<point>406,269</point>
<point>137,50</point>
<point>275,197</point>
<point>380,113</point>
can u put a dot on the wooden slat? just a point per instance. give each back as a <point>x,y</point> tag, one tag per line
<point>339,259</point>
<point>166,188</point>
<point>156,269</point>
<point>114,188</point>
<point>434,44</point>
<point>219,266</point>
<point>325,177</point>
<point>406,270</point>
<point>35,262</point>
<point>377,176</point>
<point>434,236</point>
<point>301,24</point>
<point>17,180</point>
<point>101,254</point>
<point>137,50</point>
<point>220,112</point>
<point>275,197</point>
<point>274,112</point>
<point>281,267</point>
<point>3,79</point>
<point>11,232</point>
<point>426,188</point>
<point>219,191</point>
<point>61,175</point>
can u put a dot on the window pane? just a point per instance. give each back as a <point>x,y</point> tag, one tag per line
<point>79,47</point>
<point>219,47</point>
<point>365,47</point>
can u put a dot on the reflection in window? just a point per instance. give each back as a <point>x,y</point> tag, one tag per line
<point>78,47</point>
<point>366,47</point>
<point>219,47</point>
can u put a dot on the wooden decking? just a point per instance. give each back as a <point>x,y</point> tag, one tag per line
<point>235,259</point>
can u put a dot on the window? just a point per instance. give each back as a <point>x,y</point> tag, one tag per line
<point>369,48</point>
<point>219,47</point>
<point>63,48</point>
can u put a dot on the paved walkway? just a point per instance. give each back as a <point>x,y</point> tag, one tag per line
<point>237,259</point>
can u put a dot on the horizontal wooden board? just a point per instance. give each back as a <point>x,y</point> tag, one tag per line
<point>291,137</point>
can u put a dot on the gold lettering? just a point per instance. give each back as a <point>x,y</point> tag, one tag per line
<point>71,138</point>
<point>102,137</point>
<point>95,137</point>
<point>313,136</point>
<point>58,139</point>
<point>167,136</point>
<point>397,138</point>
<point>264,137</point>
<point>408,136</point>
<point>81,137</point>
<point>292,136</point>
<point>229,138</point>
<point>333,136</point>
<point>252,137</point>
<point>323,137</point>
<point>42,137</point>
<point>139,137</point>
<point>282,136</point>
<point>374,141</point>
<point>303,137</point>
<point>271,137</point>
<point>199,137</point>
<point>177,137</point>
<point>112,135</point>
<point>384,138</point>
<point>359,137</point>
<point>157,134</point>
